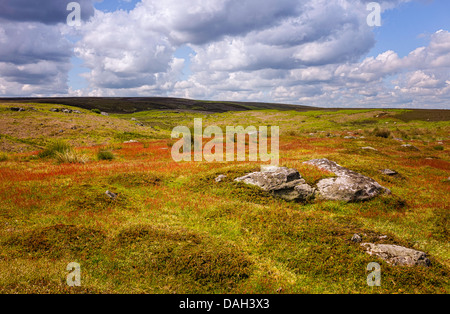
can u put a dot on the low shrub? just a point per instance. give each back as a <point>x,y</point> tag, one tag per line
<point>105,155</point>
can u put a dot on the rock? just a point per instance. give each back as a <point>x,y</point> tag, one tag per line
<point>281,182</point>
<point>397,255</point>
<point>348,186</point>
<point>104,113</point>
<point>66,110</point>
<point>54,110</point>
<point>356,238</point>
<point>389,172</point>
<point>410,147</point>
<point>76,111</point>
<point>17,109</point>
<point>220,178</point>
<point>130,142</point>
<point>350,137</point>
<point>111,195</point>
<point>369,148</point>
<point>273,178</point>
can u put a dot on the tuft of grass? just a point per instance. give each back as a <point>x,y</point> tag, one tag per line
<point>71,157</point>
<point>105,155</point>
<point>384,133</point>
<point>54,148</point>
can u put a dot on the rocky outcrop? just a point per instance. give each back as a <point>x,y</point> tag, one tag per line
<point>288,183</point>
<point>347,186</point>
<point>397,255</point>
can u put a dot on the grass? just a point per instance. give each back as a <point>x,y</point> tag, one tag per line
<point>173,229</point>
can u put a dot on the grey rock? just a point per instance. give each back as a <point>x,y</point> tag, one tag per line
<point>281,182</point>
<point>111,195</point>
<point>104,113</point>
<point>397,255</point>
<point>220,178</point>
<point>410,147</point>
<point>54,110</point>
<point>369,148</point>
<point>17,109</point>
<point>356,238</point>
<point>348,186</point>
<point>66,110</point>
<point>389,172</point>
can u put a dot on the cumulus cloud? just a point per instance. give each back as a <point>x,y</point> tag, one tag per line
<point>309,52</point>
<point>121,54</point>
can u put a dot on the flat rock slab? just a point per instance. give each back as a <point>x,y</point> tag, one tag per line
<point>282,182</point>
<point>397,255</point>
<point>348,186</point>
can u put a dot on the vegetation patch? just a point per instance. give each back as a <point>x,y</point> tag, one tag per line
<point>201,263</point>
<point>57,241</point>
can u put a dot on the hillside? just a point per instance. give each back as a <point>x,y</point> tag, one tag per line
<point>136,104</point>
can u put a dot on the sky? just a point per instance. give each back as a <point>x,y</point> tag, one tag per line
<point>309,52</point>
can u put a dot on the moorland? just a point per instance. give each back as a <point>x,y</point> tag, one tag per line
<point>172,228</point>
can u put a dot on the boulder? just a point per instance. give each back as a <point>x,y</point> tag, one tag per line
<point>281,182</point>
<point>397,255</point>
<point>348,186</point>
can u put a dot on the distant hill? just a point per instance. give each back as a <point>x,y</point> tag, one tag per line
<point>136,104</point>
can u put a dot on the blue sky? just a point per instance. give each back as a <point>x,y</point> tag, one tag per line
<point>309,52</point>
<point>410,25</point>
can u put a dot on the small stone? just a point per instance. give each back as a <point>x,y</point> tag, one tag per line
<point>220,178</point>
<point>409,146</point>
<point>369,148</point>
<point>111,195</point>
<point>356,238</point>
<point>388,172</point>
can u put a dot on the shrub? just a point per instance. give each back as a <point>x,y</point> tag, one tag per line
<point>105,155</point>
<point>438,147</point>
<point>97,111</point>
